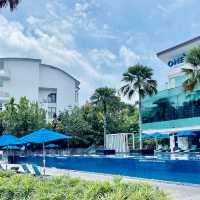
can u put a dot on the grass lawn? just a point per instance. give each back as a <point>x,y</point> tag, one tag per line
<point>24,187</point>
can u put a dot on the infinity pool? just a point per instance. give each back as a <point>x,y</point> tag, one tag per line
<point>185,171</point>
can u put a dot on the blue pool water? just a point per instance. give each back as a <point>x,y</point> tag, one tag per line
<point>185,171</point>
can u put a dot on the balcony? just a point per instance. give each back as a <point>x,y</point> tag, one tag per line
<point>5,75</point>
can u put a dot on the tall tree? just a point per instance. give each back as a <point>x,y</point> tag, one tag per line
<point>104,98</point>
<point>11,3</point>
<point>192,72</point>
<point>139,81</point>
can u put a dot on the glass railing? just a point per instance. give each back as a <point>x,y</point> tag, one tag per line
<point>171,104</point>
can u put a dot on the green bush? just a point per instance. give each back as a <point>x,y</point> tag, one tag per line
<point>25,187</point>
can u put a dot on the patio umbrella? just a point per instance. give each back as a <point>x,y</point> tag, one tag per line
<point>41,137</point>
<point>7,140</point>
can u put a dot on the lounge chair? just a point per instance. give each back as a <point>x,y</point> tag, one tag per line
<point>36,170</point>
<point>178,150</point>
<point>25,169</point>
<point>1,168</point>
<point>192,149</point>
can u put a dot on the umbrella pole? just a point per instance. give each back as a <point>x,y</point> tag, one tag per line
<point>7,159</point>
<point>44,160</point>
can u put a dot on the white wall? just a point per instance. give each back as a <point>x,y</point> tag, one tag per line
<point>54,78</point>
<point>28,76</point>
<point>24,79</point>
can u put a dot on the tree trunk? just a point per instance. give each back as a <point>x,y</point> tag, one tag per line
<point>105,129</point>
<point>140,121</point>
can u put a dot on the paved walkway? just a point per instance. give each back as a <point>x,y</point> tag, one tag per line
<point>175,191</point>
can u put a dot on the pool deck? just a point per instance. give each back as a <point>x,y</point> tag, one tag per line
<point>175,191</point>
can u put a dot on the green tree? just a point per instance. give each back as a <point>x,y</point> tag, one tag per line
<point>104,99</point>
<point>9,115</point>
<point>23,117</point>
<point>73,122</point>
<point>11,3</point>
<point>193,72</point>
<point>139,81</point>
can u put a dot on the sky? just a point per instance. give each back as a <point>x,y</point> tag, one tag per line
<point>97,40</point>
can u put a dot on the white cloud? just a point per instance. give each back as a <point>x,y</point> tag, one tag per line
<point>128,56</point>
<point>172,5</point>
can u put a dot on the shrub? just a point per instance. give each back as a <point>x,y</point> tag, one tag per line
<point>25,187</point>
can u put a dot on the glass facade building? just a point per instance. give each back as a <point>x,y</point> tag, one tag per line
<point>173,108</point>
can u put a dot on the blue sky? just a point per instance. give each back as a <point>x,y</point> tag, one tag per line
<point>96,40</point>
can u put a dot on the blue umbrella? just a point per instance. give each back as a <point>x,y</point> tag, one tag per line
<point>43,136</point>
<point>8,139</point>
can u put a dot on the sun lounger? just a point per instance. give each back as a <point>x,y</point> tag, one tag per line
<point>1,167</point>
<point>36,170</point>
<point>192,149</point>
<point>25,169</point>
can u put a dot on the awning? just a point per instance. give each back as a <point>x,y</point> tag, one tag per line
<point>186,134</point>
<point>156,135</point>
<point>172,130</point>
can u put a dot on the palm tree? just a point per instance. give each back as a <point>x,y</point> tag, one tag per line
<point>193,72</point>
<point>104,98</point>
<point>139,81</point>
<point>12,3</point>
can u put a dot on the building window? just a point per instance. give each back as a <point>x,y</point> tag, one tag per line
<point>1,83</point>
<point>52,98</point>
<point>1,65</point>
<point>51,112</point>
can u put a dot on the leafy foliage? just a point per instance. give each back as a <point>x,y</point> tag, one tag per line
<point>138,80</point>
<point>104,99</point>
<point>23,117</point>
<point>14,187</point>
<point>11,3</point>
<point>87,122</point>
<point>193,72</point>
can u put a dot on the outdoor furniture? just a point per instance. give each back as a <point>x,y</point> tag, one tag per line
<point>25,169</point>
<point>43,136</point>
<point>15,169</point>
<point>192,149</point>
<point>1,168</point>
<point>36,171</point>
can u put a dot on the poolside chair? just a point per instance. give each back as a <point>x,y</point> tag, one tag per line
<point>192,149</point>
<point>25,169</point>
<point>36,170</point>
<point>1,167</point>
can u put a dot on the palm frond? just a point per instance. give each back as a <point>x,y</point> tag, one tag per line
<point>12,3</point>
<point>189,85</point>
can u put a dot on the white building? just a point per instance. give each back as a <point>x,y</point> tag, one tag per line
<point>52,87</point>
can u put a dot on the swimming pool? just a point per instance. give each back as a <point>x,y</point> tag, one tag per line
<point>185,171</point>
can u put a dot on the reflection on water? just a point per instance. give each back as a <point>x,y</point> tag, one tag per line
<point>157,156</point>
